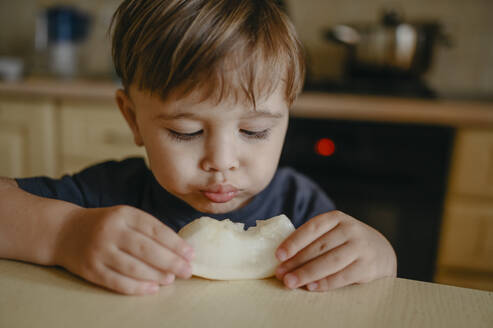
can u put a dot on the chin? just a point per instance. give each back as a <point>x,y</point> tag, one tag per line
<point>217,208</point>
<point>220,208</point>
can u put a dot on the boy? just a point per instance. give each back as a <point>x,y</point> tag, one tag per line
<point>207,87</point>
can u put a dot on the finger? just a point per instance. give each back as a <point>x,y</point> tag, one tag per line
<point>305,234</point>
<point>162,234</point>
<point>106,277</point>
<point>323,266</point>
<point>129,266</point>
<point>350,275</point>
<point>155,255</point>
<point>330,240</point>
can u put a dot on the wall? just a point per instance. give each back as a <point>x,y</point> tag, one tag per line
<point>464,70</point>
<point>18,25</point>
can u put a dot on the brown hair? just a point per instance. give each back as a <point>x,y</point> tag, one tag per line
<point>224,47</point>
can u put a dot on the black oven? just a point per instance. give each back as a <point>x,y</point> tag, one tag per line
<point>390,176</point>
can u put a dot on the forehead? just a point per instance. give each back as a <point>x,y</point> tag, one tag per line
<point>194,104</point>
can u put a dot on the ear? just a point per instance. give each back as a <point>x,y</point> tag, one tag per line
<point>127,109</point>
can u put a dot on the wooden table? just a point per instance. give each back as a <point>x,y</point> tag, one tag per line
<point>34,296</point>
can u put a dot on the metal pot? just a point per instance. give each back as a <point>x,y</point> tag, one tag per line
<point>391,48</point>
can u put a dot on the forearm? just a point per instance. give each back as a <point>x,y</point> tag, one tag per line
<point>30,225</point>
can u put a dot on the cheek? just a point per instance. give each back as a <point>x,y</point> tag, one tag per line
<point>263,160</point>
<point>172,171</point>
<point>169,160</point>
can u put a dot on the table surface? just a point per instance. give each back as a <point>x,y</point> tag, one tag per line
<point>35,296</point>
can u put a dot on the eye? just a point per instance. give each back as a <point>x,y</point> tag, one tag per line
<point>184,136</point>
<point>255,134</point>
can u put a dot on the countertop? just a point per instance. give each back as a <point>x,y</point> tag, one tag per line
<point>309,104</point>
<point>35,296</point>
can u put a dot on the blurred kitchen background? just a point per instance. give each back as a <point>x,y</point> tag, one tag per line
<point>395,122</point>
<point>463,68</point>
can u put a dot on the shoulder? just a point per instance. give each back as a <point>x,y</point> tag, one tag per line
<point>291,180</point>
<point>303,198</point>
<point>114,182</point>
<point>103,184</point>
<point>114,169</point>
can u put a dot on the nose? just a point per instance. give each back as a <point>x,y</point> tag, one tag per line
<point>221,154</point>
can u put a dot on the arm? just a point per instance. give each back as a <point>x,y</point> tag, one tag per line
<point>29,225</point>
<point>120,247</point>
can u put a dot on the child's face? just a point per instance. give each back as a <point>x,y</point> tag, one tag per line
<point>214,157</point>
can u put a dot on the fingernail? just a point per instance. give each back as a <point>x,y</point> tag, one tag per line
<point>186,271</point>
<point>168,278</point>
<point>189,253</point>
<point>282,255</point>
<point>290,280</point>
<point>151,288</point>
<point>280,271</point>
<point>312,286</point>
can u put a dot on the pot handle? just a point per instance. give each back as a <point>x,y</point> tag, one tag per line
<point>343,34</point>
<point>444,39</point>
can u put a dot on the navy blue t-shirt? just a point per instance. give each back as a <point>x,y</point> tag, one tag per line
<point>130,182</point>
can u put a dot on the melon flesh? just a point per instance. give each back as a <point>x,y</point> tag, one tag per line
<point>225,251</point>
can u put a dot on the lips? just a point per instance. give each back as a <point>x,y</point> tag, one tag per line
<point>220,193</point>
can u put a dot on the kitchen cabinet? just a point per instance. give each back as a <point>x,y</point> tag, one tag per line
<point>28,138</point>
<point>50,137</point>
<point>473,163</point>
<point>92,132</point>
<point>466,246</point>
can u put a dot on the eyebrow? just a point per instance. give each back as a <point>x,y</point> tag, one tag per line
<point>254,114</point>
<point>168,117</point>
<point>263,113</point>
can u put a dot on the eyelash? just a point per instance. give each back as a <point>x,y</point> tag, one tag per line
<point>257,135</point>
<point>183,136</point>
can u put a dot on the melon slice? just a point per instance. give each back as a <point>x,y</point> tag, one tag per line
<point>225,251</point>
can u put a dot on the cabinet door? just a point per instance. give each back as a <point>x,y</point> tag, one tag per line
<point>27,138</point>
<point>467,236</point>
<point>93,132</point>
<point>472,169</point>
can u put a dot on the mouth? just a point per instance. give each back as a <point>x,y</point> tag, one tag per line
<point>220,193</point>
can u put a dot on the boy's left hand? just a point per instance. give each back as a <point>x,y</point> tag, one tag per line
<point>333,250</point>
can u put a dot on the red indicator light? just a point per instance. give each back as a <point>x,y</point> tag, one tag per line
<point>325,147</point>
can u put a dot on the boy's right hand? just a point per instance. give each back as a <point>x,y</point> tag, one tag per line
<point>122,248</point>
